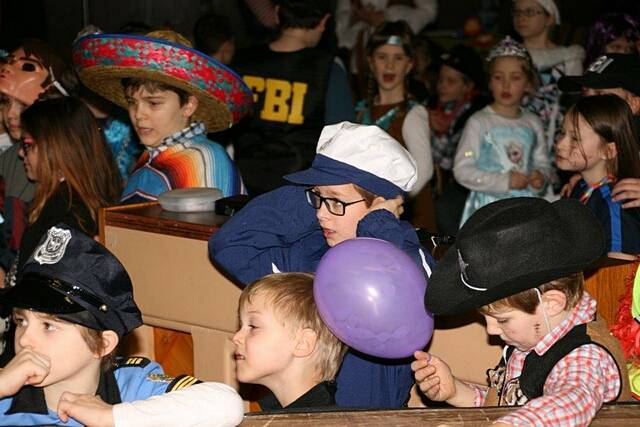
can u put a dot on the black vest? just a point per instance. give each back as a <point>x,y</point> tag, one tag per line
<point>281,135</point>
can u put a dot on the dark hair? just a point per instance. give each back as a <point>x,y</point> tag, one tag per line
<point>50,58</point>
<point>608,28</point>
<point>210,32</point>
<point>131,86</point>
<point>379,38</point>
<point>70,144</point>
<point>302,13</point>
<point>610,117</point>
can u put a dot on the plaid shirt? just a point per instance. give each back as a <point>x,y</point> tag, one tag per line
<point>577,386</point>
<point>180,137</point>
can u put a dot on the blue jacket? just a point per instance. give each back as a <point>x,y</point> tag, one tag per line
<point>621,226</point>
<point>278,231</point>
<point>132,379</point>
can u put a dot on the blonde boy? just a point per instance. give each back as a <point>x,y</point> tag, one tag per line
<point>284,345</point>
<point>520,262</point>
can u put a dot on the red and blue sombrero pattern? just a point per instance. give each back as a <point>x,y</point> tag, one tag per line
<point>103,60</point>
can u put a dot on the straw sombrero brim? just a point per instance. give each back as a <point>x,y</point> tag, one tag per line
<point>103,60</point>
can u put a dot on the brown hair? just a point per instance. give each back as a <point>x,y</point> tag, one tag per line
<point>290,296</point>
<point>572,286</point>
<point>368,196</point>
<point>132,85</point>
<point>610,117</point>
<point>70,145</point>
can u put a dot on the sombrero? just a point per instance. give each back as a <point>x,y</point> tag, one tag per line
<point>103,60</point>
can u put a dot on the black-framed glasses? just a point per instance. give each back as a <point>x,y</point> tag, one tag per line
<point>527,13</point>
<point>335,206</point>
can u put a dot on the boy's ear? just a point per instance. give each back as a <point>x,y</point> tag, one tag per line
<point>555,302</point>
<point>610,151</point>
<point>110,341</point>
<point>634,103</point>
<point>190,107</point>
<point>306,343</point>
<point>322,25</point>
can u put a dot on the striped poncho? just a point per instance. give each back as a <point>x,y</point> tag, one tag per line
<point>196,162</point>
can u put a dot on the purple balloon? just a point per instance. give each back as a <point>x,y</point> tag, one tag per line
<point>371,295</point>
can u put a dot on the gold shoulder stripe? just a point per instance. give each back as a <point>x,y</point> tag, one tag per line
<point>140,362</point>
<point>181,382</point>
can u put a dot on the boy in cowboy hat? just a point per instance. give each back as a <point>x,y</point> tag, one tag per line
<point>174,95</point>
<point>520,262</point>
<point>354,188</point>
<point>72,305</point>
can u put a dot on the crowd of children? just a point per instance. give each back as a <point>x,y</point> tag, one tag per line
<point>484,158</point>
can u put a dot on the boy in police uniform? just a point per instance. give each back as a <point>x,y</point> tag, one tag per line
<point>72,305</point>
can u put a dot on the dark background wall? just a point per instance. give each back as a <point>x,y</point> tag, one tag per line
<point>58,21</point>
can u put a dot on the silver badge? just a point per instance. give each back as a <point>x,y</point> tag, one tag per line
<point>599,65</point>
<point>463,267</point>
<point>53,248</point>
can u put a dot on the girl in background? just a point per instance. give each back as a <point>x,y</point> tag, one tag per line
<point>600,145</point>
<point>66,156</point>
<point>613,33</point>
<point>502,153</point>
<point>388,105</point>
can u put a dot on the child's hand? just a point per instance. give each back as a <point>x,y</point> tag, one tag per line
<point>627,189</point>
<point>437,122</point>
<point>518,181</point>
<point>536,179</point>
<point>433,376</point>
<point>86,409</point>
<point>567,189</point>
<point>392,205</point>
<point>26,368</point>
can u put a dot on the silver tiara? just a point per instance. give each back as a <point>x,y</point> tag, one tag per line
<point>508,47</point>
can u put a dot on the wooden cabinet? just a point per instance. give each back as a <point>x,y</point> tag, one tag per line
<point>190,306</point>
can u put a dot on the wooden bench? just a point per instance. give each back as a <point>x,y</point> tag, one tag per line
<point>609,416</point>
<point>190,307</point>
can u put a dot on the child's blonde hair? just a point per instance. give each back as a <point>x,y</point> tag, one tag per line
<point>290,296</point>
<point>572,286</point>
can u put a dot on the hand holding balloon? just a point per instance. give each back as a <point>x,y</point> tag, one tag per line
<point>370,294</point>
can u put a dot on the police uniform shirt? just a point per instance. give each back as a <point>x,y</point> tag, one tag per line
<point>132,379</point>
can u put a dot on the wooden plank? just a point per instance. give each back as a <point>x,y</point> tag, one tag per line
<point>152,218</point>
<point>620,414</point>
<point>607,283</point>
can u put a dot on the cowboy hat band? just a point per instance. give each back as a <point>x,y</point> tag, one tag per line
<point>103,60</point>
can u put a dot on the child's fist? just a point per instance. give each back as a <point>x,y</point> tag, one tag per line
<point>392,205</point>
<point>536,180</point>
<point>88,410</point>
<point>26,368</point>
<point>433,376</point>
<point>518,181</point>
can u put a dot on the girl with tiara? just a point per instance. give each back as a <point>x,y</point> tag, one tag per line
<point>388,105</point>
<point>502,152</point>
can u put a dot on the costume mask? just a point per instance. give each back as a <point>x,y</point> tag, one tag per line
<point>23,77</point>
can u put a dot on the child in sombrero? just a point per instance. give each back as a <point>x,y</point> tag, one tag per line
<point>519,262</point>
<point>174,95</point>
